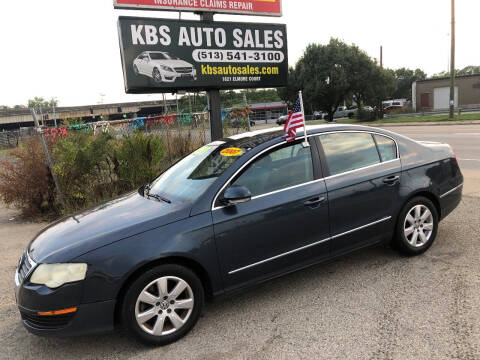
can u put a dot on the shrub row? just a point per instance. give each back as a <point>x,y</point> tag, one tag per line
<point>90,169</point>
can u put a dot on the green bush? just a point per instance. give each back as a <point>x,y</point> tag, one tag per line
<point>25,181</point>
<point>138,159</point>
<point>90,169</point>
<point>363,115</point>
<point>83,167</point>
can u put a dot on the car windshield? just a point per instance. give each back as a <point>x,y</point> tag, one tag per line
<point>190,177</point>
<point>162,56</point>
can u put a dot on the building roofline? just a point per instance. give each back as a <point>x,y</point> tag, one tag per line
<point>448,78</point>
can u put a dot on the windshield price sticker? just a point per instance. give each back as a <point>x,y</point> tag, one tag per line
<point>231,152</point>
<point>164,55</point>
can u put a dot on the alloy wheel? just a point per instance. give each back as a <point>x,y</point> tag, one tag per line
<point>418,225</point>
<point>157,76</point>
<point>164,306</point>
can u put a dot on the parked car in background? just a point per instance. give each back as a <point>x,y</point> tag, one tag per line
<point>392,108</point>
<point>282,120</point>
<point>231,215</point>
<point>317,115</point>
<point>343,112</point>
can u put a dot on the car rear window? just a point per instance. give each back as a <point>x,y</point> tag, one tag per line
<point>349,151</point>
<point>386,148</point>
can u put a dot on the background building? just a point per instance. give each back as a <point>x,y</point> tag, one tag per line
<point>434,94</point>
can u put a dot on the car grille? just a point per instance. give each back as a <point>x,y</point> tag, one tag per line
<point>25,266</point>
<point>183,70</point>
<point>46,322</point>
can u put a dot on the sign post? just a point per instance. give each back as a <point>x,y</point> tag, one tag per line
<point>214,101</point>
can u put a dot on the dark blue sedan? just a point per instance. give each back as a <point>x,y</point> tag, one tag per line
<point>232,214</point>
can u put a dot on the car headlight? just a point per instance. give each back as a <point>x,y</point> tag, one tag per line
<point>55,275</point>
<point>166,68</point>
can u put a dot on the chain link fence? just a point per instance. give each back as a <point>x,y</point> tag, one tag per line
<point>193,125</point>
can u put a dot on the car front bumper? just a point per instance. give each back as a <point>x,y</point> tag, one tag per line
<point>174,76</point>
<point>87,319</point>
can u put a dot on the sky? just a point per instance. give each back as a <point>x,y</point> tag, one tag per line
<point>69,49</point>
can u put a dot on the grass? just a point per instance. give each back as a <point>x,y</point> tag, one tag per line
<point>404,119</point>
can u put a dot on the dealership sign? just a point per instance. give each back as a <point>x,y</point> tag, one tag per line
<point>245,7</point>
<point>161,55</point>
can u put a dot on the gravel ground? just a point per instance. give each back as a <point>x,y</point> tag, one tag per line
<point>373,304</point>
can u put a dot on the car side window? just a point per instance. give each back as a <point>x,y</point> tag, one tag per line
<point>349,151</point>
<point>279,169</point>
<point>386,148</point>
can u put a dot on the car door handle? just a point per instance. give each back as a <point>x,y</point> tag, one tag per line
<point>315,201</point>
<point>391,180</point>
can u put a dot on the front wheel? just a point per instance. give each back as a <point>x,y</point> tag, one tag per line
<point>162,305</point>
<point>417,226</point>
<point>157,77</point>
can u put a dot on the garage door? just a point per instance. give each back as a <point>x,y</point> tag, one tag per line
<point>441,98</point>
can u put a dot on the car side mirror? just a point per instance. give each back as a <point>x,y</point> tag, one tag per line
<point>236,195</point>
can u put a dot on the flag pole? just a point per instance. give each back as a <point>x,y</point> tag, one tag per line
<point>305,142</point>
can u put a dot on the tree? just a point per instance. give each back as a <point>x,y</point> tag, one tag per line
<point>334,73</point>
<point>39,102</point>
<point>404,79</point>
<point>468,70</point>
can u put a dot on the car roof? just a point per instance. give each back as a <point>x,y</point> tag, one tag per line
<point>258,137</point>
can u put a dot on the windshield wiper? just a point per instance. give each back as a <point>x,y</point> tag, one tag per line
<point>155,196</point>
<point>159,198</point>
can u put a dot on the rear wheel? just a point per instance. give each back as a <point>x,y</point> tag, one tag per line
<point>163,304</point>
<point>417,226</point>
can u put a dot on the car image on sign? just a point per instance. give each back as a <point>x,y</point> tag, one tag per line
<point>163,67</point>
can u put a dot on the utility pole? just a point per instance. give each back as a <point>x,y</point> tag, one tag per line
<point>381,56</point>
<point>452,65</point>
<point>214,103</point>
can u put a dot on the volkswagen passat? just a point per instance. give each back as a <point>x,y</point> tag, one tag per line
<point>231,214</point>
<point>163,67</point>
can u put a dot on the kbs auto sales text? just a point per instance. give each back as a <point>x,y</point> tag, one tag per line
<point>207,36</point>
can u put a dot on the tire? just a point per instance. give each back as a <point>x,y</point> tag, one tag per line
<point>157,77</point>
<point>417,227</point>
<point>177,318</point>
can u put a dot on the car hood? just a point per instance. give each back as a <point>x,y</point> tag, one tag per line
<point>172,63</point>
<point>115,220</point>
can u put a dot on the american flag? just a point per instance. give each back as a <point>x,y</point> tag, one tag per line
<point>295,121</point>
